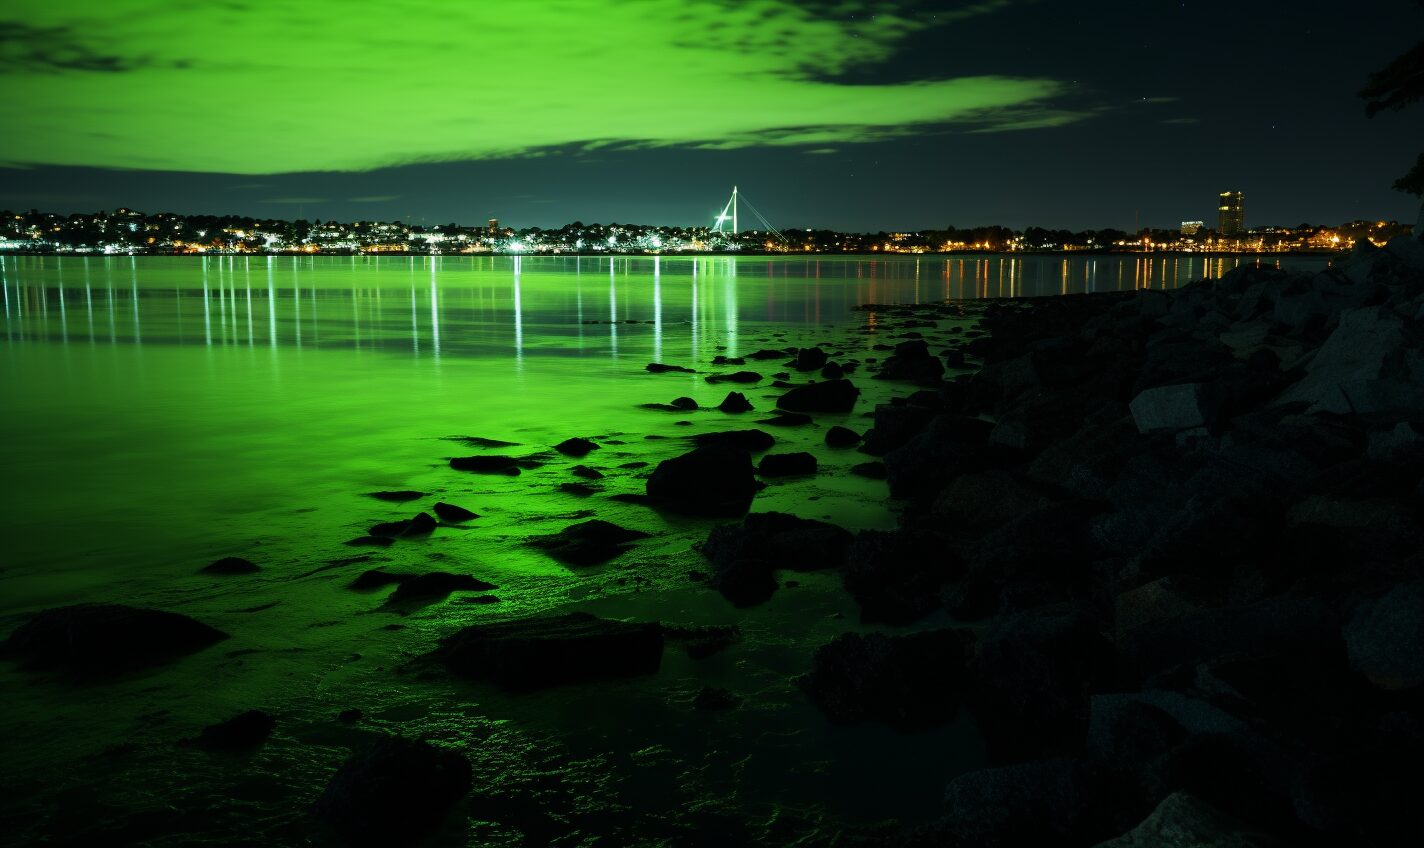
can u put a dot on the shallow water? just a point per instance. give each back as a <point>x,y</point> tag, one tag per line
<point>160,413</point>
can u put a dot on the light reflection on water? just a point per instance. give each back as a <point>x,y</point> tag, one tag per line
<point>522,306</point>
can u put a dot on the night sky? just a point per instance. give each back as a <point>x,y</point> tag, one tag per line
<point>847,115</point>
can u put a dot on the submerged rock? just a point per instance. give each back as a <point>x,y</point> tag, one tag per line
<point>370,542</point>
<point>490,464</point>
<point>735,377</point>
<point>827,396</point>
<point>909,682</point>
<point>576,447</point>
<point>551,650</point>
<point>231,565</point>
<point>397,791</point>
<point>106,637</point>
<point>712,480</point>
<point>239,733</point>
<point>452,513</point>
<point>377,578</point>
<point>435,586</point>
<point>397,496</point>
<point>589,543</point>
<point>660,368</point>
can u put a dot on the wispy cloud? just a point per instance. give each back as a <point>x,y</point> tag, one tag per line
<point>220,90</point>
<point>374,198</point>
<point>293,201</point>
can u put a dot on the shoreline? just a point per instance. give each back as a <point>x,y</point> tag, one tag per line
<point>1325,254</point>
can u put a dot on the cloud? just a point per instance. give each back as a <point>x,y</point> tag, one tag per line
<point>293,201</point>
<point>374,198</point>
<point>354,85</point>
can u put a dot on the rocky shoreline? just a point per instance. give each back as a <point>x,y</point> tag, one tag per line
<point>1162,547</point>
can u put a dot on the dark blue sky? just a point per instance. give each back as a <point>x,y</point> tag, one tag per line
<point>1172,102</point>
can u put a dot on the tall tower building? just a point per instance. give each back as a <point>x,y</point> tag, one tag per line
<point>1231,213</point>
<point>493,227</point>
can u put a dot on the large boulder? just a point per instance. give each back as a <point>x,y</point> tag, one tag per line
<point>909,682</point>
<point>1384,638</point>
<point>826,396</point>
<point>98,638</point>
<point>1372,364</point>
<point>795,464</point>
<point>912,361</point>
<point>1184,821</point>
<point>743,556</point>
<point>549,650</point>
<point>753,441</point>
<point>1040,803</point>
<point>896,576</point>
<point>588,543</point>
<point>1171,408</point>
<point>713,480</point>
<point>396,791</point>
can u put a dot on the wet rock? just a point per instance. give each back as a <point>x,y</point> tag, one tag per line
<point>713,698</point>
<point>397,791</point>
<point>896,576</point>
<point>397,496</point>
<point>832,371</point>
<point>452,513</point>
<point>787,464</point>
<point>588,543</point>
<point>541,651</point>
<point>721,359</point>
<point>827,396</point>
<point>99,638</point>
<point>660,368</point>
<point>581,490</point>
<point>490,464</point>
<point>735,402</point>
<point>435,586</point>
<point>744,556</point>
<point>390,529</point>
<point>1040,803</point>
<point>702,641</point>
<point>370,542</point>
<point>872,470</point>
<point>481,442</point>
<point>1033,675</point>
<point>735,377</point>
<point>841,437</point>
<point>685,403</point>
<point>242,732</point>
<point>1184,821</point>
<point>909,682</point>
<point>377,578</point>
<point>586,473</point>
<point>712,480</point>
<point>420,525</point>
<point>576,447</point>
<point>231,565</point>
<point>911,361</point>
<point>1384,638</point>
<point>1172,408</point>
<point>810,359</point>
<point>767,354</point>
<point>747,440</point>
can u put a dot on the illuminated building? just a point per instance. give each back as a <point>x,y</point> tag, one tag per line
<point>1231,213</point>
<point>493,226</point>
<point>1191,228</point>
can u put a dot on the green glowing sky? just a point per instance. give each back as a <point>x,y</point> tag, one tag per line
<point>353,85</point>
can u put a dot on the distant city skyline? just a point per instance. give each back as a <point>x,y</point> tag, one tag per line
<point>854,116</point>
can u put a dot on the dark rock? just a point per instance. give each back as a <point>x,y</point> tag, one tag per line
<point>397,497</point>
<point>481,442</point>
<point>728,360</point>
<point>350,715</point>
<point>743,556</point>
<point>787,464</point>
<point>660,368</point>
<point>576,447</point>
<point>735,402</point>
<point>984,500</point>
<point>912,361</point>
<point>581,490</point>
<point>1184,821</point>
<point>1171,408</point>
<point>827,396</point>
<point>397,791</point>
<point>435,586</point>
<point>909,682</point>
<point>833,371</point>
<point>491,464</point>
<point>712,480</point>
<point>1033,675</point>
<point>588,543</point>
<point>586,473</point>
<point>1040,803</point>
<point>371,542</point>
<point>841,437</point>
<point>452,513</point>
<point>767,354</point>
<point>735,377</point>
<point>710,698</point>
<point>873,470</point>
<point>702,641</point>
<point>240,733</point>
<point>231,565</point>
<point>390,529</point>
<point>810,359</point>
<point>543,651</point>
<point>1384,638</point>
<point>686,403</point>
<point>377,578</point>
<point>106,637</point>
<point>420,525</point>
<point>747,440</point>
<point>896,576</point>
